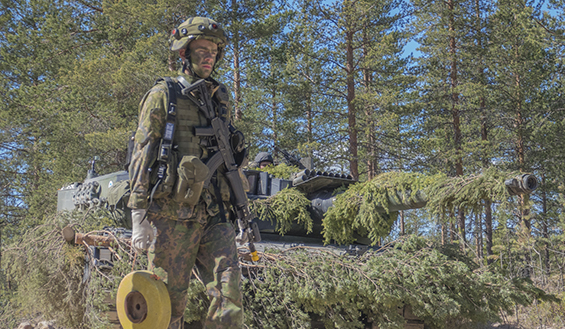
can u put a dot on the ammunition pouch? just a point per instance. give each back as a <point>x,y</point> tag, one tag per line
<point>162,188</point>
<point>191,175</point>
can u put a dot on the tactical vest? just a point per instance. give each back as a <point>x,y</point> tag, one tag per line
<point>187,144</point>
<point>188,116</point>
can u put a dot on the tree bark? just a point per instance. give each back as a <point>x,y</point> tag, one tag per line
<point>351,112</point>
<point>371,138</point>
<point>443,234</point>
<point>488,229</point>
<point>544,226</point>
<point>456,114</point>
<point>520,149</point>
<point>274,124</point>
<point>402,228</point>
<point>484,138</point>
<point>236,70</point>
<point>479,235</point>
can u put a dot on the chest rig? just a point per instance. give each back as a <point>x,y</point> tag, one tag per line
<point>182,116</point>
<point>187,132</point>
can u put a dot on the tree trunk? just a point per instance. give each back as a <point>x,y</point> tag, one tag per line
<point>274,124</point>
<point>371,138</point>
<point>456,115</point>
<point>520,150</point>
<point>484,139</point>
<point>488,229</point>
<point>309,118</point>
<point>544,227</point>
<point>236,70</point>
<point>402,228</point>
<point>443,234</point>
<point>351,112</point>
<point>479,235</point>
<point>488,203</point>
<point>236,84</point>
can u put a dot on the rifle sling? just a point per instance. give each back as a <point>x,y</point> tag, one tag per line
<point>223,215</point>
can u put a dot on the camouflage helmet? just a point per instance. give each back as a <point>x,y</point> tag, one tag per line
<point>263,156</point>
<point>198,28</point>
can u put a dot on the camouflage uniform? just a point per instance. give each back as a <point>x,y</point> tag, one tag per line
<point>188,236</point>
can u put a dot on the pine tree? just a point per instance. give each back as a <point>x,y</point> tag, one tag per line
<point>443,26</point>
<point>344,33</point>
<point>74,73</point>
<point>522,63</point>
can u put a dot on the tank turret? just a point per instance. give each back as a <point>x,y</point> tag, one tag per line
<point>321,188</point>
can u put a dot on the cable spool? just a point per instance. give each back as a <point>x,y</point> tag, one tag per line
<point>143,302</point>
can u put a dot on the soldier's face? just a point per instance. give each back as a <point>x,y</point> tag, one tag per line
<point>203,56</point>
<point>264,164</point>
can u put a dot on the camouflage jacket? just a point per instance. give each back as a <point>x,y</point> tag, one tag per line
<point>152,120</point>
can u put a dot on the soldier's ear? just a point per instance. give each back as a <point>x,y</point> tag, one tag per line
<point>182,54</point>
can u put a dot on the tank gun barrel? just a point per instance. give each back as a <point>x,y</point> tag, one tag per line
<point>519,185</point>
<point>523,184</point>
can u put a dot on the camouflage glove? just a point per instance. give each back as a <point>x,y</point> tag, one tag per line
<point>142,232</point>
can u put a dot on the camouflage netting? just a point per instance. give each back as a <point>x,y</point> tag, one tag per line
<point>364,208</point>
<point>443,287</point>
<point>285,208</point>
<point>42,274</point>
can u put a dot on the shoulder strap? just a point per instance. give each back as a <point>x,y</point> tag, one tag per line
<point>168,134</point>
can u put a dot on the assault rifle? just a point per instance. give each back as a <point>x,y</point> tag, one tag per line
<point>224,134</point>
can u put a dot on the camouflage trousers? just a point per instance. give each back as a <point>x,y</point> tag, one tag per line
<point>207,243</point>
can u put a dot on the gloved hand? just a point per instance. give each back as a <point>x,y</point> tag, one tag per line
<point>242,236</point>
<point>142,233</point>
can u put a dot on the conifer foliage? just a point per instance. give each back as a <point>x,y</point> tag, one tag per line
<point>285,289</point>
<point>478,101</point>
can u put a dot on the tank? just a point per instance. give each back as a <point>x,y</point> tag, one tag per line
<point>321,188</point>
<point>111,192</point>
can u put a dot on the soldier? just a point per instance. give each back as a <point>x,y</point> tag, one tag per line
<point>263,159</point>
<point>191,221</point>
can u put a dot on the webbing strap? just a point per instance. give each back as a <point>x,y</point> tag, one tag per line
<point>223,214</point>
<point>168,134</point>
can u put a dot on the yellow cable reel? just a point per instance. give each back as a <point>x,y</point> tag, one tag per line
<point>143,302</point>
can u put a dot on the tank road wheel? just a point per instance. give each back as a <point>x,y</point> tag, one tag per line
<point>143,302</point>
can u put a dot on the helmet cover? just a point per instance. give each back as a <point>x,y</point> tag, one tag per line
<point>198,28</point>
<point>263,156</point>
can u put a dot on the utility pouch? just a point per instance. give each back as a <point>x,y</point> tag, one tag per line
<point>191,176</point>
<point>164,187</point>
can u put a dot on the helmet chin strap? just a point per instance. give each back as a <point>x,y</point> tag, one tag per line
<point>186,66</point>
